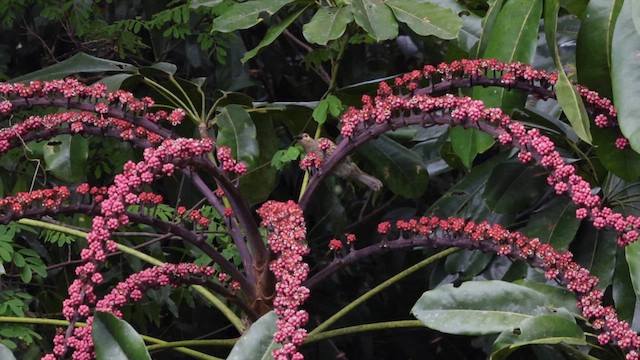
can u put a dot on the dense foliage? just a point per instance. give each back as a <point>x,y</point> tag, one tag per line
<point>153,182</point>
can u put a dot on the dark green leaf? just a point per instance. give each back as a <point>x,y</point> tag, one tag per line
<point>514,38</point>
<point>115,339</point>
<point>593,47</point>
<point>329,23</point>
<point>237,131</point>
<point>624,163</point>
<point>622,288</point>
<point>632,254</point>
<point>66,157</point>
<point>468,143</point>
<point>79,63</point>
<point>595,250</point>
<point>506,195</point>
<point>555,223</point>
<point>562,298</point>
<point>478,307</point>
<point>488,23</point>
<point>257,184</point>
<point>375,18</point>
<point>568,97</point>
<point>26,274</point>
<point>245,15</point>
<point>542,329</point>
<point>272,34</point>
<point>257,343</point>
<point>625,74</point>
<point>426,19</point>
<point>400,169</point>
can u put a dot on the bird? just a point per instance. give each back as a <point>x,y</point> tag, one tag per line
<point>347,169</point>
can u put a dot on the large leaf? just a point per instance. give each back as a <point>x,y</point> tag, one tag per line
<point>328,23</point>
<point>595,250</point>
<point>115,339</point>
<point>5,353</point>
<point>257,343</point>
<point>400,169</point>
<point>468,143</point>
<point>593,47</point>
<point>624,163</point>
<point>479,307</point>
<point>562,298</point>
<point>237,131</point>
<point>506,195</point>
<point>542,329</point>
<point>568,97</point>
<point>66,157</point>
<point>623,292</point>
<point>375,18</point>
<point>79,63</point>
<point>426,18</point>
<point>257,184</point>
<point>555,223</point>
<point>488,23</point>
<point>514,38</point>
<point>272,34</point>
<point>632,254</point>
<point>471,23</point>
<point>245,15</point>
<point>625,73</point>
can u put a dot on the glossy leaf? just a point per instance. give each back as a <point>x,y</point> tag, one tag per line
<point>471,30</point>
<point>632,254</point>
<point>328,23</point>
<point>79,63</point>
<point>593,47</point>
<point>555,223</point>
<point>595,250</point>
<point>542,329</point>
<point>567,96</point>
<point>478,307</point>
<point>272,34</point>
<point>506,195</point>
<point>468,143</point>
<point>116,339</point>
<point>426,19</point>
<point>258,183</point>
<point>257,343</point>
<point>562,298</point>
<point>237,131</point>
<point>623,292</point>
<point>488,23</point>
<point>66,157</point>
<point>624,163</point>
<point>5,353</point>
<point>245,15</point>
<point>399,168</point>
<point>514,38</point>
<point>625,74</point>
<point>375,18</point>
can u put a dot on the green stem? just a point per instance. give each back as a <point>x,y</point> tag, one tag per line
<point>184,93</point>
<point>38,321</point>
<point>173,98</point>
<point>193,343</point>
<point>369,294</point>
<point>226,311</point>
<point>350,330</point>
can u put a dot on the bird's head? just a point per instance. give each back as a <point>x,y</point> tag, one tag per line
<point>307,142</point>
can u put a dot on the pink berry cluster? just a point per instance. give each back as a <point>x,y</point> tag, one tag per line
<point>228,163</point>
<point>557,265</point>
<point>125,191</point>
<point>285,222</point>
<point>48,199</point>
<point>388,108</point>
<point>311,161</point>
<point>336,244</point>
<point>195,216</point>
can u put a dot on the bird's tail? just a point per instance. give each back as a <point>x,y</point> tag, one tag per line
<point>372,182</point>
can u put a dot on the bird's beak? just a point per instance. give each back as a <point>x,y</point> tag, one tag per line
<point>298,137</point>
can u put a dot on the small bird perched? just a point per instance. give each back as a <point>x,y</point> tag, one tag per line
<point>347,169</point>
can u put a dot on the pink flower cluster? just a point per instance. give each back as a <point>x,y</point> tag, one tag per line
<point>558,265</point>
<point>388,108</point>
<point>285,222</point>
<point>311,161</point>
<point>125,191</point>
<point>229,164</point>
